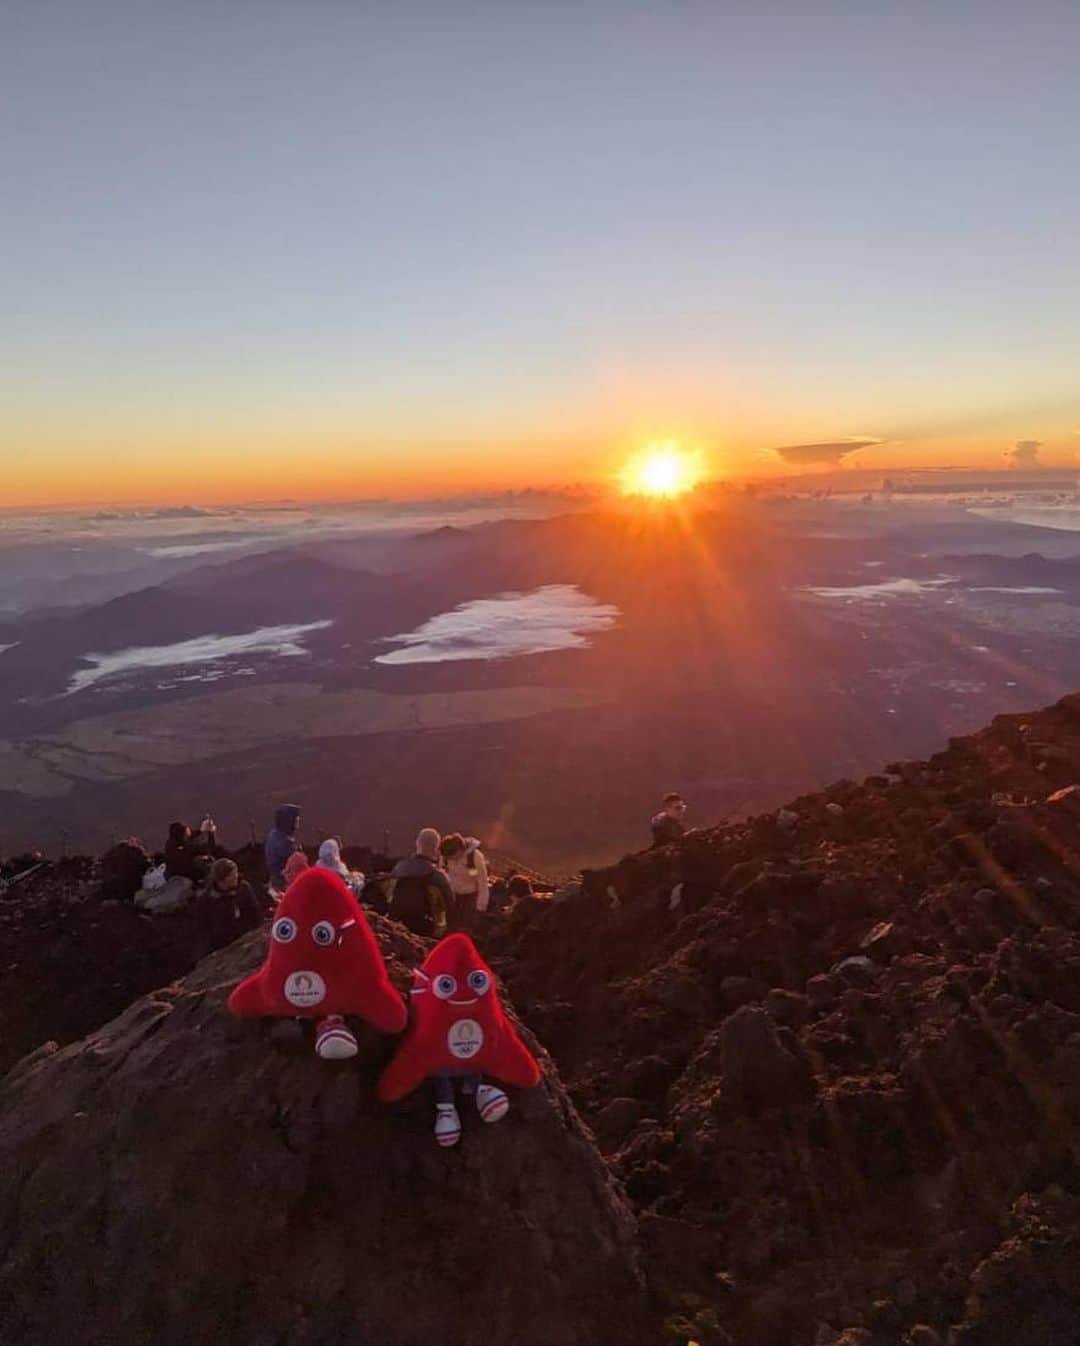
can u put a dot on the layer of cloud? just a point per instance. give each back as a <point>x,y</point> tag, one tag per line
<point>280,641</point>
<point>1024,453</point>
<point>831,452</point>
<point>555,617</point>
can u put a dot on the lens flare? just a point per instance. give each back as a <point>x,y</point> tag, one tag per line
<point>662,470</point>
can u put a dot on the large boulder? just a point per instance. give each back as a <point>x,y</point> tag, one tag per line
<point>179,1178</point>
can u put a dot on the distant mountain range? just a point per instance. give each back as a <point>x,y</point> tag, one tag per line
<point>752,651</point>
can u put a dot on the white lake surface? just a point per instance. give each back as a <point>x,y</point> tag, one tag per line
<point>898,588</point>
<point>908,588</point>
<point>555,617</point>
<point>198,548</point>
<point>1014,589</point>
<point>278,641</point>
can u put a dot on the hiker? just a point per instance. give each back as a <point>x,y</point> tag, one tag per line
<point>188,856</point>
<point>376,893</point>
<point>227,907</point>
<point>458,1033</point>
<point>295,866</point>
<point>518,887</point>
<point>420,894</point>
<point>330,858</point>
<point>467,872</point>
<point>667,825</point>
<point>498,896</point>
<point>281,842</point>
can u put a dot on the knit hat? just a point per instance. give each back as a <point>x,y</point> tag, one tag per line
<point>330,856</point>
<point>295,866</point>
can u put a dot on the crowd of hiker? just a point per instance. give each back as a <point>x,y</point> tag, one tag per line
<point>443,891</point>
<point>441,888</point>
<point>435,891</point>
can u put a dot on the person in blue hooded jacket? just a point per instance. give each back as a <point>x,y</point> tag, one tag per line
<point>281,842</point>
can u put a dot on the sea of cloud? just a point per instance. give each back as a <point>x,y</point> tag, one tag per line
<point>554,617</point>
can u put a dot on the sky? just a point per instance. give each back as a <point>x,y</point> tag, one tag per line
<point>338,248</point>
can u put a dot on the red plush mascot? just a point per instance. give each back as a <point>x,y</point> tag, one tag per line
<point>458,1030</point>
<point>323,963</point>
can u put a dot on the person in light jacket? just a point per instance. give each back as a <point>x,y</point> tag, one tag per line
<point>466,868</point>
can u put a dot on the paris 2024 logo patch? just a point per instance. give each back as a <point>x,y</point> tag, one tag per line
<point>465,1039</point>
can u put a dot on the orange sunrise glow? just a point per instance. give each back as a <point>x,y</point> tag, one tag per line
<point>662,470</point>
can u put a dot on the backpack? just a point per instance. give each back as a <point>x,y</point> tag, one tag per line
<point>153,879</point>
<point>174,895</point>
<point>411,903</point>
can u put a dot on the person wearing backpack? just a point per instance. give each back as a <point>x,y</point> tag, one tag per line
<point>420,894</point>
<point>466,869</point>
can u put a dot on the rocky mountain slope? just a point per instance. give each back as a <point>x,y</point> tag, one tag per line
<point>177,1177</point>
<point>831,1055</point>
<point>834,1052</point>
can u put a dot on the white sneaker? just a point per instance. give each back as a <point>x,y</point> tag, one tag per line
<point>447,1124</point>
<point>334,1040</point>
<point>491,1103</point>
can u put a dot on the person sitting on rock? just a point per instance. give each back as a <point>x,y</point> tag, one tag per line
<point>376,894</point>
<point>227,907</point>
<point>330,858</point>
<point>466,870</point>
<point>281,842</point>
<point>518,887</point>
<point>294,867</point>
<point>420,894</point>
<point>499,897</point>
<point>667,825</point>
<point>188,856</point>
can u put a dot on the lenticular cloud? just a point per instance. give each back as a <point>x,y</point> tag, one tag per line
<point>555,617</point>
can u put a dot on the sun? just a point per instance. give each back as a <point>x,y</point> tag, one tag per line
<point>663,470</point>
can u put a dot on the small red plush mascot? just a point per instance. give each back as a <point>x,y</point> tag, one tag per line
<point>323,963</point>
<point>458,1030</point>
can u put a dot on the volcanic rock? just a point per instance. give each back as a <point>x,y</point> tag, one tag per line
<point>840,1082</point>
<point>175,1179</point>
<point>757,1069</point>
<point>854,1161</point>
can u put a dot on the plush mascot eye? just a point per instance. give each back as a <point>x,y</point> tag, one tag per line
<point>444,986</point>
<point>284,930</point>
<point>479,981</point>
<point>322,932</point>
